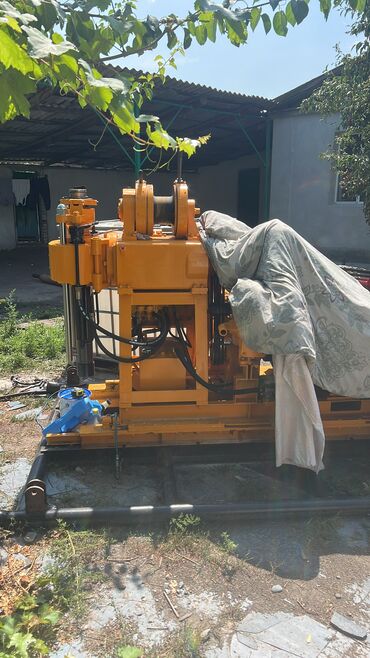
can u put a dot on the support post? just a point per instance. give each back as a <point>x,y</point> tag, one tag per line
<point>267,181</point>
<point>137,154</point>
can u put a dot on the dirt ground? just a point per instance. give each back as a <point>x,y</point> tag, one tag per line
<point>190,588</point>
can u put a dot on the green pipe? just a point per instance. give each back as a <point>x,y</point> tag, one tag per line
<point>206,109</point>
<point>103,120</point>
<point>137,151</point>
<point>250,140</point>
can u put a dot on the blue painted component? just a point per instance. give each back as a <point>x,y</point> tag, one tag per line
<point>80,412</point>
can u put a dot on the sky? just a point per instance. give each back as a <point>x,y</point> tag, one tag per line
<point>268,65</point>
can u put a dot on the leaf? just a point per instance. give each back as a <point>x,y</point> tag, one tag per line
<point>290,14</point>
<point>280,23</point>
<point>12,12</point>
<point>52,617</point>
<point>266,22</point>
<point>205,5</point>
<point>124,118</point>
<point>187,39</point>
<point>145,118</point>
<point>201,34</point>
<point>161,138</point>
<point>359,5</point>
<point>119,26</point>
<point>11,22</point>
<point>325,6</point>
<point>41,46</point>
<point>274,3</point>
<point>189,146</point>
<point>255,17</point>
<point>111,83</point>
<point>153,23</point>
<point>237,32</point>
<point>211,27</point>
<point>21,642</point>
<point>300,10</point>
<point>11,54</point>
<point>171,40</point>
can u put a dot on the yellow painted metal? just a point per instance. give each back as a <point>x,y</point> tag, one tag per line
<point>62,263</point>
<point>78,212</point>
<point>158,402</point>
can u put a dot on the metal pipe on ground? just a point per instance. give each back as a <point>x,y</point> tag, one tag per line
<point>252,511</point>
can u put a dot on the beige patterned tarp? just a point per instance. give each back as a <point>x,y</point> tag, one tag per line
<point>288,299</point>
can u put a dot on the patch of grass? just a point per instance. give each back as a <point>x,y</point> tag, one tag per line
<point>43,313</point>
<point>24,349</point>
<point>72,569</point>
<point>29,631</point>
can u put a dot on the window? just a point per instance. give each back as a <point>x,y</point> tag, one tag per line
<point>341,196</point>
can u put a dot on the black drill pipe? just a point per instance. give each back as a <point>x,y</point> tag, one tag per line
<point>253,511</point>
<point>38,467</point>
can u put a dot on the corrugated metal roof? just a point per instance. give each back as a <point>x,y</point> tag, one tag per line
<point>292,99</point>
<point>59,131</point>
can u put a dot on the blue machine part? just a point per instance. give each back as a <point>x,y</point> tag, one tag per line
<point>68,397</point>
<point>80,412</point>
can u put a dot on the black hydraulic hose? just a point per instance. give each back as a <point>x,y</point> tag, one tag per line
<point>121,339</point>
<point>20,394</point>
<point>215,388</point>
<point>183,355</point>
<point>124,359</point>
<point>152,348</point>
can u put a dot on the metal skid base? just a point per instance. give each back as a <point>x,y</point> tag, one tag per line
<point>38,511</point>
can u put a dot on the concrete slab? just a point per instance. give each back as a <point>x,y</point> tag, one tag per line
<point>12,479</point>
<point>16,269</point>
<point>283,635</point>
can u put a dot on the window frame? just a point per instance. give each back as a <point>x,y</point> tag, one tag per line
<point>355,202</point>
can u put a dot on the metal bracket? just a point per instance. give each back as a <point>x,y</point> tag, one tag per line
<point>35,497</point>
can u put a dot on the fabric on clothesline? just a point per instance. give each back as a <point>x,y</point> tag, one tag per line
<point>38,187</point>
<point>289,299</point>
<point>21,189</point>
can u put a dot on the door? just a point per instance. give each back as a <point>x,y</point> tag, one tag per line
<point>26,218</point>
<point>248,196</point>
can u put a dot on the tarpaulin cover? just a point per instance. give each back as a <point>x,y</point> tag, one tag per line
<point>290,301</point>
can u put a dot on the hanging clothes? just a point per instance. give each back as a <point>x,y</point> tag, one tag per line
<point>6,192</point>
<point>21,189</point>
<point>39,187</point>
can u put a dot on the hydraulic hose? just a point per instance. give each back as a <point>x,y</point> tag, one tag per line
<point>152,348</point>
<point>183,355</point>
<point>121,339</point>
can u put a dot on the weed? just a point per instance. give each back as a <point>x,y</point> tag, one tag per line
<point>25,348</point>
<point>28,632</point>
<point>227,544</point>
<point>184,523</point>
<point>186,644</point>
<point>72,570</point>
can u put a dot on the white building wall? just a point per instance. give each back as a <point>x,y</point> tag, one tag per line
<point>303,188</point>
<point>217,185</point>
<point>213,187</point>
